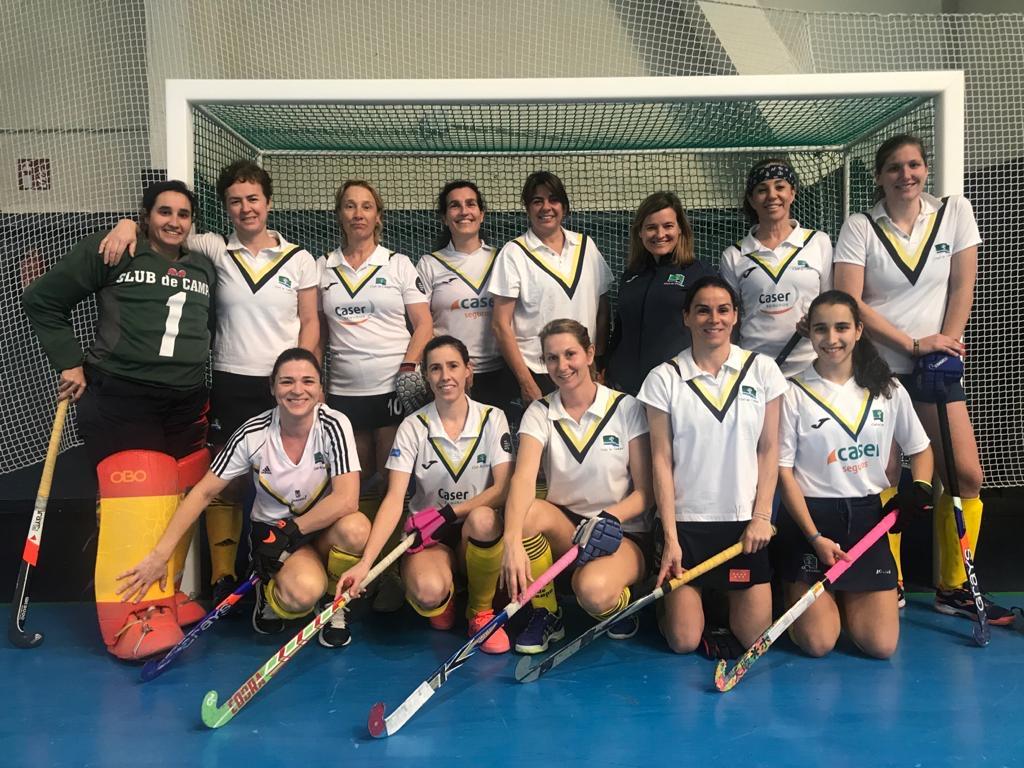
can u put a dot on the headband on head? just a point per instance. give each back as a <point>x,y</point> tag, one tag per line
<point>770,171</point>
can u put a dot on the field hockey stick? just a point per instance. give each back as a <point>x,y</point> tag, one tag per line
<point>981,633</point>
<point>725,682</point>
<point>527,672</point>
<point>30,555</point>
<point>215,717</point>
<point>380,726</point>
<point>155,667</point>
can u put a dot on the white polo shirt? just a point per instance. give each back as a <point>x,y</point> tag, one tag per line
<point>450,471</point>
<point>716,422</point>
<point>586,463</point>
<point>549,286</point>
<point>366,321</point>
<point>906,279</point>
<point>776,286</point>
<point>837,438</point>
<point>285,488</point>
<point>257,300</point>
<point>460,302</point>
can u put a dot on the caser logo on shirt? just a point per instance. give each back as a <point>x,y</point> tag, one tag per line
<point>854,458</point>
<point>354,314</point>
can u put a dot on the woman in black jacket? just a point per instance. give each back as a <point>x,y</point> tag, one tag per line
<point>652,291</point>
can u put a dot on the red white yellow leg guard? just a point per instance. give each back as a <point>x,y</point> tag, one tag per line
<point>138,495</point>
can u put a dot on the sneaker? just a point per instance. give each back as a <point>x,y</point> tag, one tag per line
<point>335,633</point>
<point>498,640</point>
<point>264,620</point>
<point>543,627</point>
<point>623,629</point>
<point>446,619</point>
<point>223,587</point>
<point>901,595</point>
<point>958,602</point>
<point>390,593</point>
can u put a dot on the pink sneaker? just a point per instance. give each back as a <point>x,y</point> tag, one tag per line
<point>497,642</point>
<point>446,619</point>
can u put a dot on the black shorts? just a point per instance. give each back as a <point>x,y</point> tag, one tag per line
<point>497,388</point>
<point>643,540</point>
<point>701,541</point>
<point>117,415</point>
<point>368,412</point>
<point>954,390</point>
<point>235,398</point>
<point>845,521</point>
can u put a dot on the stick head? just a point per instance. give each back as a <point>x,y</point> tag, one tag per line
<point>150,670</point>
<point>982,635</point>
<point>375,722</point>
<point>723,682</point>
<point>21,639</point>
<point>212,716</point>
<point>523,669</point>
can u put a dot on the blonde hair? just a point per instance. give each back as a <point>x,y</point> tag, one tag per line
<point>575,329</point>
<point>378,228</point>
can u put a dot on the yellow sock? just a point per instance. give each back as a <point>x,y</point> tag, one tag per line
<point>894,538</point>
<point>338,561</point>
<point>539,552</point>
<point>951,564</point>
<point>275,603</point>
<point>622,603</point>
<point>430,612</point>
<point>223,530</point>
<point>483,566</point>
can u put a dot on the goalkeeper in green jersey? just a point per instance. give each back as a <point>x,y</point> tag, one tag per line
<point>142,399</point>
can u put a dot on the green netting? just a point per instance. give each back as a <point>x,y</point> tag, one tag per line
<point>557,127</point>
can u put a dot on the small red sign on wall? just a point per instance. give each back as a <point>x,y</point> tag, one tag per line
<point>34,175</point>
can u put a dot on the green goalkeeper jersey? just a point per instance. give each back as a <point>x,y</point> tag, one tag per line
<point>155,313</point>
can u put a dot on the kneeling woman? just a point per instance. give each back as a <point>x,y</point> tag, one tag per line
<point>460,453</point>
<point>592,442</point>
<point>302,458</point>
<point>847,399</point>
<point>714,415</point>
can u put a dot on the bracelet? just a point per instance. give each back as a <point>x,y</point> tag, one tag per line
<point>917,348</point>
<point>407,368</point>
<point>812,538</point>
<point>766,518</point>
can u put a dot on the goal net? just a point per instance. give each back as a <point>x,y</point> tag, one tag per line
<point>610,150</point>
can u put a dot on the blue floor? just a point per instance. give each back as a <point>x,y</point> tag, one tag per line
<point>941,701</point>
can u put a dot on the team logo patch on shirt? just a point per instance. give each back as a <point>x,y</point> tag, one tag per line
<point>506,442</point>
<point>172,272</point>
<point>395,453</point>
<point>748,392</point>
<point>942,248</point>
<point>801,264</point>
<point>319,459</point>
<point>739,575</point>
<point>810,564</point>
<point>878,415</point>
<point>380,281</point>
<point>611,441</point>
<point>481,458</point>
<point>420,286</point>
<point>282,280</point>
<point>677,280</point>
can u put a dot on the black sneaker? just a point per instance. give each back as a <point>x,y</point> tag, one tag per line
<point>264,620</point>
<point>543,627</point>
<point>901,595</point>
<point>623,629</point>
<point>958,602</point>
<point>335,633</point>
<point>223,587</point>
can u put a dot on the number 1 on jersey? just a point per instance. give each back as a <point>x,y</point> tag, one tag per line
<point>175,305</point>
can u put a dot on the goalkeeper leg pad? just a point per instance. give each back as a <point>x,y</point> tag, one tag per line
<point>138,496</point>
